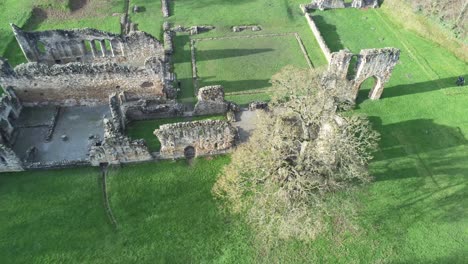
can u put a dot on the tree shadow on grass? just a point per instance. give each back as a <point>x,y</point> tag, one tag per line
<point>413,88</point>
<point>205,55</point>
<point>415,137</point>
<point>420,174</point>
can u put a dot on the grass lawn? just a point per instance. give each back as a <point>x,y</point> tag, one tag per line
<point>144,129</point>
<point>245,65</point>
<point>415,212</point>
<point>417,209</point>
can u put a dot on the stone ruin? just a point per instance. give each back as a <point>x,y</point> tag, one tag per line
<point>196,138</point>
<point>118,148</point>
<point>85,66</point>
<point>81,76</point>
<point>10,109</point>
<point>333,4</point>
<point>371,63</point>
<point>242,28</point>
<point>211,101</point>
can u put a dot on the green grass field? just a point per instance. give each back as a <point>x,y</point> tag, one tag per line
<point>245,65</point>
<point>414,212</point>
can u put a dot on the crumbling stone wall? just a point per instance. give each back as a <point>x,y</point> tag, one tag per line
<point>85,84</point>
<point>376,63</point>
<point>318,36</point>
<point>205,137</point>
<point>9,161</point>
<point>87,46</point>
<point>365,3</point>
<point>10,110</point>
<point>333,4</point>
<point>326,4</point>
<point>211,101</point>
<point>117,148</point>
<point>371,63</point>
<point>144,109</point>
<point>118,116</point>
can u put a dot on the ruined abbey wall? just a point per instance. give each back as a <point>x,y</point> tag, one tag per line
<point>205,137</point>
<point>10,110</point>
<point>84,84</point>
<point>371,63</point>
<point>87,46</point>
<point>211,101</point>
<point>333,4</point>
<point>118,148</point>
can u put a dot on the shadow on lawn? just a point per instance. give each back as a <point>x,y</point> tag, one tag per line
<point>415,137</point>
<point>413,88</point>
<point>421,87</point>
<point>332,39</point>
<point>426,164</point>
<point>205,55</point>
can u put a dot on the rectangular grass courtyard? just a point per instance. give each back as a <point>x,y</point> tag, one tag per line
<point>244,65</point>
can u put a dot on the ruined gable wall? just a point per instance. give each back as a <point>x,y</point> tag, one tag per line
<point>87,46</point>
<point>207,137</point>
<point>82,84</point>
<point>378,63</point>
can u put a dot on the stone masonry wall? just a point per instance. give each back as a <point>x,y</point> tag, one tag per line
<point>87,46</point>
<point>333,4</point>
<point>117,148</point>
<point>205,137</point>
<point>8,160</point>
<point>371,63</point>
<point>10,110</point>
<point>318,36</point>
<point>211,101</point>
<point>84,84</point>
<point>376,63</point>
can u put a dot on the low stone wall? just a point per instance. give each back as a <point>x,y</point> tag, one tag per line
<point>334,4</point>
<point>165,8</point>
<point>151,109</point>
<point>196,138</point>
<point>318,36</point>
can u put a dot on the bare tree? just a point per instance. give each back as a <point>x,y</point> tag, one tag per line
<point>302,151</point>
